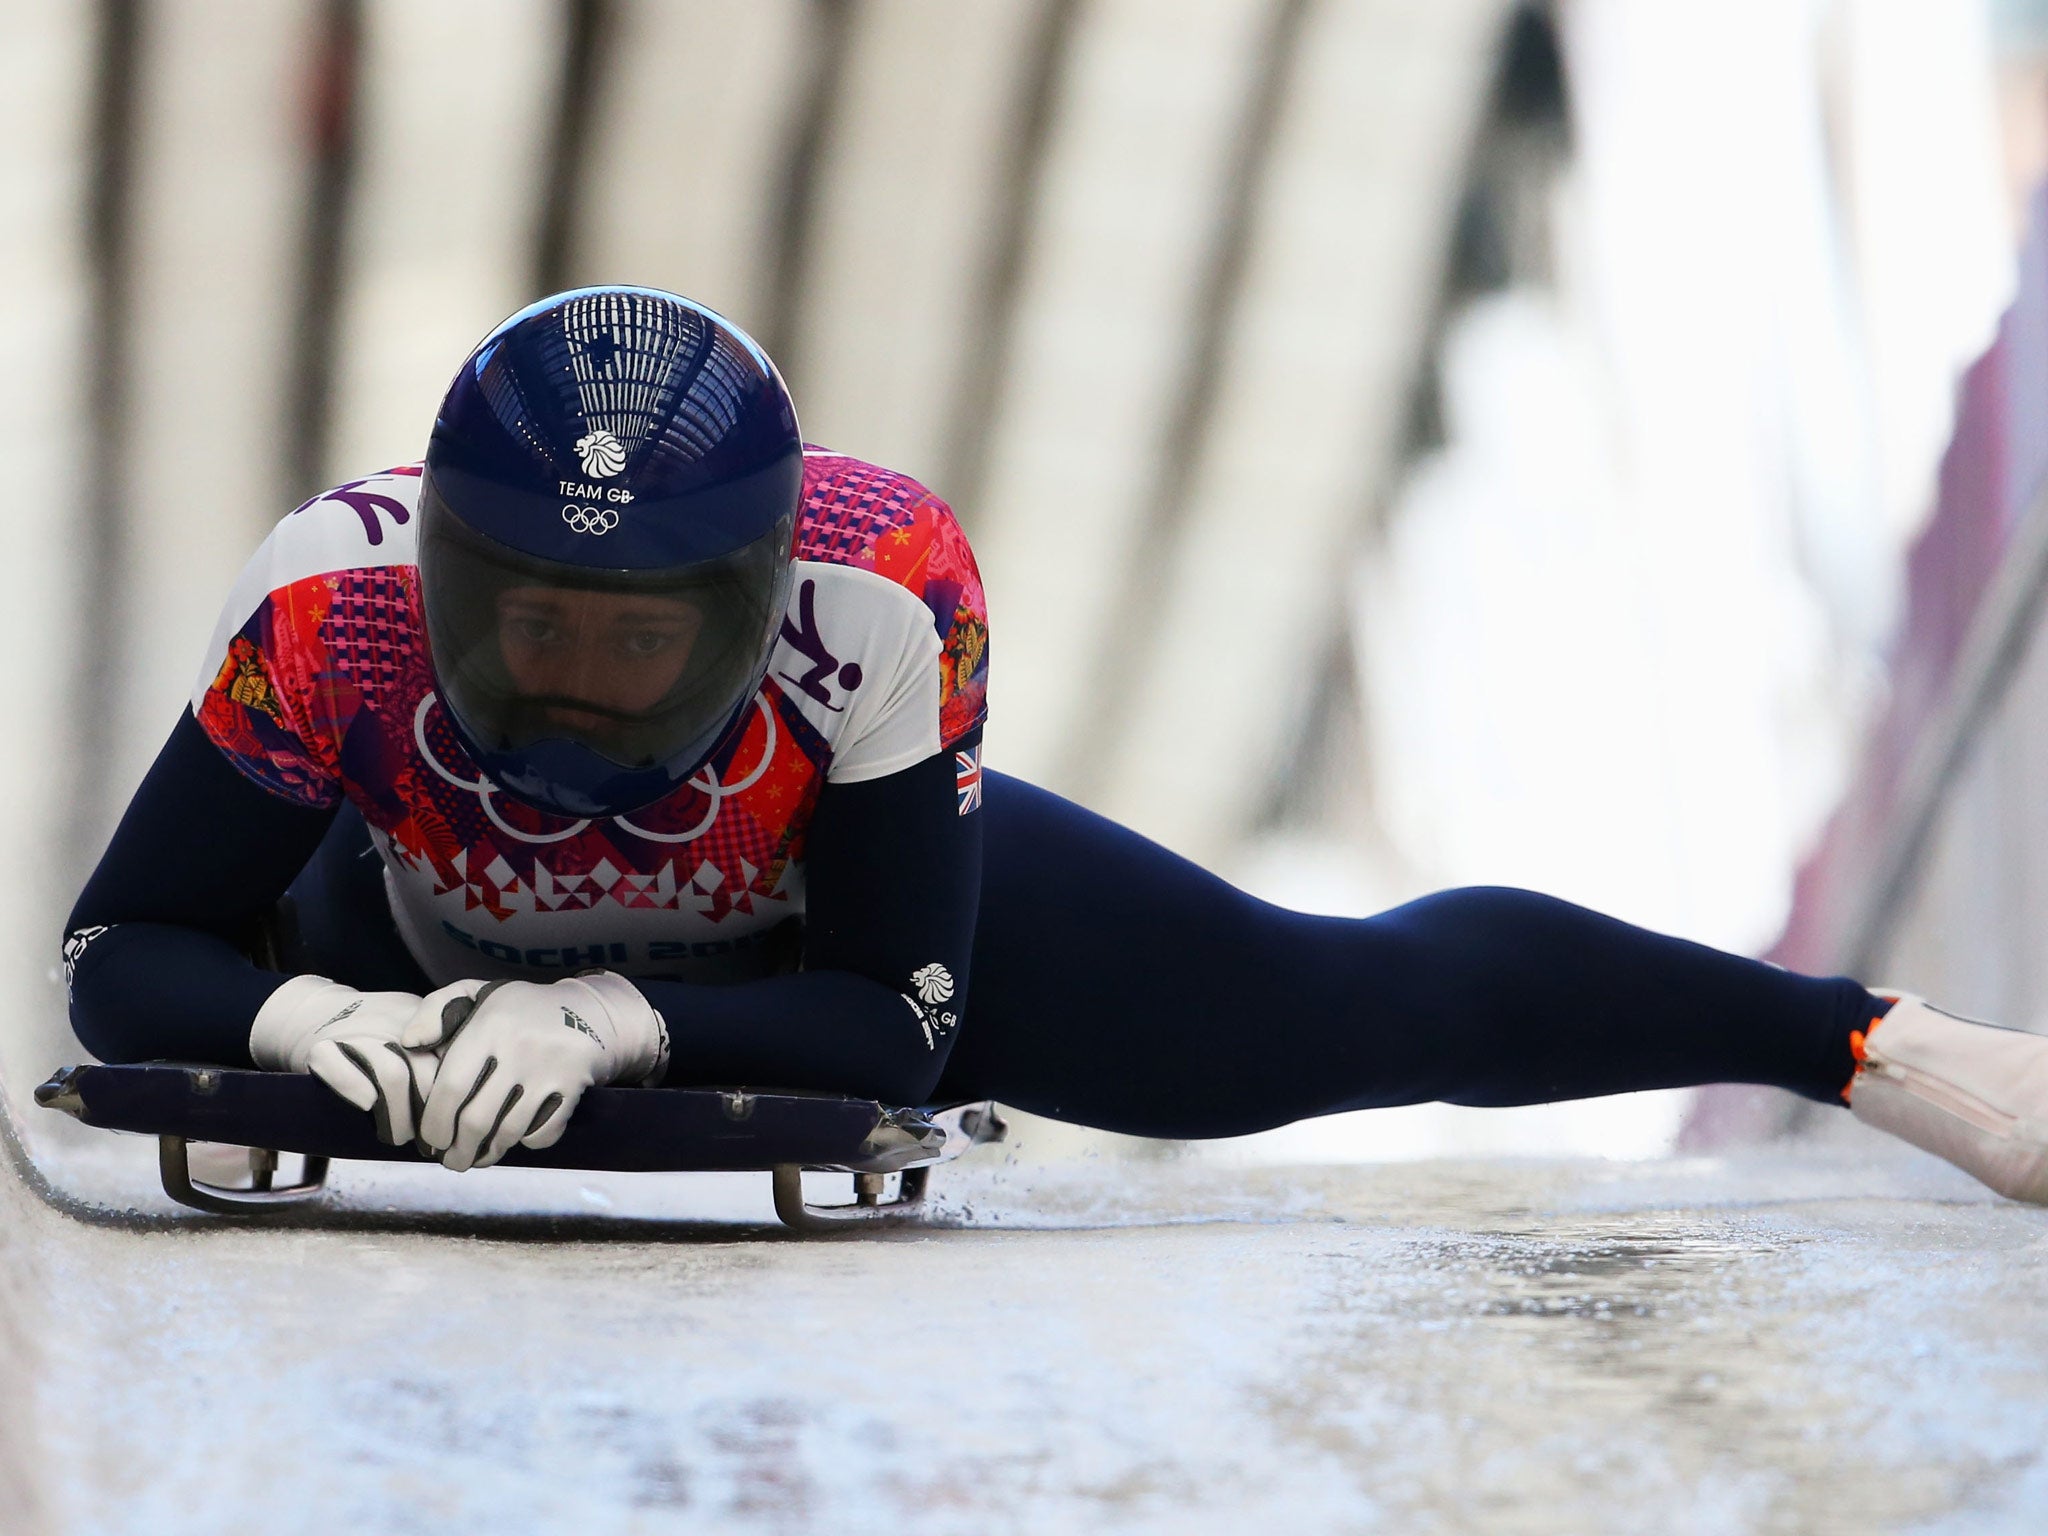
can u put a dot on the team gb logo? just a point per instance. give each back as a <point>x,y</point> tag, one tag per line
<point>602,454</point>
<point>934,983</point>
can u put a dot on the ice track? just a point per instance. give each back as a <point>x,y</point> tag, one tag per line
<point>1818,1338</point>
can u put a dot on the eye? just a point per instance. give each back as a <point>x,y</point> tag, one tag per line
<point>534,631</point>
<point>647,642</point>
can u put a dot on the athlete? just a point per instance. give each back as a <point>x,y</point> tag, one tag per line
<point>627,739</point>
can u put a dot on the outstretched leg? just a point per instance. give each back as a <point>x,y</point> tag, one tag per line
<point>1117,985</point>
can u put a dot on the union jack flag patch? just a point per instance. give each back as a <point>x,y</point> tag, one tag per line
<point>967,779</point>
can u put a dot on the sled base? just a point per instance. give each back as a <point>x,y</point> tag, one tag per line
<point>624,1130</point>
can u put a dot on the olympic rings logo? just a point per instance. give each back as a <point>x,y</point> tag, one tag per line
<point>590,519</point>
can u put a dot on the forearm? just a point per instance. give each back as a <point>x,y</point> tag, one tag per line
<point>154,991</point>
<point>832,1031</point>
<point>151,950</point>
<point>894,883</point>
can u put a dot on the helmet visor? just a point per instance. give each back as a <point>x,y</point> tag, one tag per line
<point>643,668</point>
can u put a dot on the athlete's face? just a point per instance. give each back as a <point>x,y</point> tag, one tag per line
<point>588,659</point>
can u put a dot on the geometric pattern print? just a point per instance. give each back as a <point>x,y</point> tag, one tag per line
<point>849,506</point>
<point>368,634</point>
<point>718,845</point>
<point>254,715</point>
<point>328,689</point>
<point>345,648</point>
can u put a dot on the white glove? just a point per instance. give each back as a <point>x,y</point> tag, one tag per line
<point>349,1040</point>
<point>517,1055</point>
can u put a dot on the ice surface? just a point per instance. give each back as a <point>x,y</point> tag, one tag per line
<point>1814,1338</point>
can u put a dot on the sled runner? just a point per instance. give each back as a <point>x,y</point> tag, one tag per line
<point>629,1130</point>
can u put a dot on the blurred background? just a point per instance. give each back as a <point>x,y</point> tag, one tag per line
<point>1590,445</point>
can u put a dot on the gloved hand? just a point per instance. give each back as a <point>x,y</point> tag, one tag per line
<point>517,1055</point>
<point>349,1040</point>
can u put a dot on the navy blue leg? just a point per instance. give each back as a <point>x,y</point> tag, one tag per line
<point>1117,985</point>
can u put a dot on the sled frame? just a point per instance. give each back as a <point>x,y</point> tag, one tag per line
<point>868,1207</point>
<point>901,1143</point>
<point>264,1194</point>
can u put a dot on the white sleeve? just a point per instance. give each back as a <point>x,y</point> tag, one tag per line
<point>892,719</point>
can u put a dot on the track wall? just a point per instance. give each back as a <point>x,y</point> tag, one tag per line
<point>1933,874</point>
<point>25,1225</point>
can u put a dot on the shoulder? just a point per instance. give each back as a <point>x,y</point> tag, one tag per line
<point>366,522</point>
<point>363,529</point>
<point>862,515</point>
<point>873,519</point>
<point>900,538</point>
<point>357,525</point>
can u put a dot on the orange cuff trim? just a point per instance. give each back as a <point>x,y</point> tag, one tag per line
<point>1860,1049</point>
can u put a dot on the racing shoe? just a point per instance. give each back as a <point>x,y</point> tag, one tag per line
<point>1976,1094</point>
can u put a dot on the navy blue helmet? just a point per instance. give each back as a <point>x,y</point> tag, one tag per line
<point>607,528</point>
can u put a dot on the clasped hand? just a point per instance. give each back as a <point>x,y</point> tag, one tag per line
<point>473,1069</point>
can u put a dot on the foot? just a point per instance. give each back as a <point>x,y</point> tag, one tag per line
<point>1976,1094</point>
